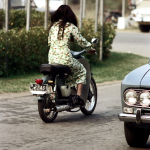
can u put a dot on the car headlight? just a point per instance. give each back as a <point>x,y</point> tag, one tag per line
<point>145,98</point>
<point>130,97</point>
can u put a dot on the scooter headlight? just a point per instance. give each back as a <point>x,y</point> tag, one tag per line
<point>145,98</point>
<point>130,97</point>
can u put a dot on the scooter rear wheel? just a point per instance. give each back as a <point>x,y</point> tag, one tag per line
<point>90,105</point>
<point>46,114</point>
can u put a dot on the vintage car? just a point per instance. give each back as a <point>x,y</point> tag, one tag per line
<point>135,98</point>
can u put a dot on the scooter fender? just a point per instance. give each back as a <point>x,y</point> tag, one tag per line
<point>86,86</point>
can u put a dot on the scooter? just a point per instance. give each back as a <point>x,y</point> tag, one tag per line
<point>54,96</point>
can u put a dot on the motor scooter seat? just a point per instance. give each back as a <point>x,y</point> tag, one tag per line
<point>54,69</point>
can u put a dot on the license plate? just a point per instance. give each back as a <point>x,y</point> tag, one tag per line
<point>38,89</point>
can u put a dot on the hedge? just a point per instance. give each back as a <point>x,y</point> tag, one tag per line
<point>17,18</point>
<point>22,51</point>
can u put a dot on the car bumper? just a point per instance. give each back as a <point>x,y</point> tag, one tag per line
<point>138,118</point>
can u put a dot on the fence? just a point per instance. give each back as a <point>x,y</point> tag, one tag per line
<point>98,4</point>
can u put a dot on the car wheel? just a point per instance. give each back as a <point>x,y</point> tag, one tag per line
<point>144,28</point>
<point>135,137</point>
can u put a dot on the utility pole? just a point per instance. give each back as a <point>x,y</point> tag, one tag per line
<point>7,3</point>
<point>28,15</point>
<point>46,13</point>
<point>96,15</point>
<point>81,12</point>
<point>65,2</point>
<point>123,8</point>
<point>6,14</point>
<point>102,25</point>
<point>84,8</point>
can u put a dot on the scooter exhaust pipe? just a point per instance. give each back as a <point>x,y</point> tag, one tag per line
<point>63,108</point>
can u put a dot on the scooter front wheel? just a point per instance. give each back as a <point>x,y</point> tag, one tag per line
<point>90,105</point>
<point>45,113</point>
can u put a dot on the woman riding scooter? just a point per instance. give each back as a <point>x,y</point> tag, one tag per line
<point>63,29</point>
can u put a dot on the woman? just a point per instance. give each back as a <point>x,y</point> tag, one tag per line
<point>62,30</point>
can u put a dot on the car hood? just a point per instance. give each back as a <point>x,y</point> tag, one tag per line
<point>145,82</point>
<point>137,78</point>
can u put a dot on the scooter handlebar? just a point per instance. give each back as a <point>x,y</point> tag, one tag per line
<point>92,51</point>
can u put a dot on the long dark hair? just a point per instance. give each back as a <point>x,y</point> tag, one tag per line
<point>65,13</point>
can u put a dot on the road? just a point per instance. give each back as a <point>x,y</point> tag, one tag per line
<point>21,127</point>
<point>132,42</point>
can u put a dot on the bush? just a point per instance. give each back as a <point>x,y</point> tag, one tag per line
<point>89,33</point>
<point>1,18</point>
<point>17,18</point>
<point>22,51</point>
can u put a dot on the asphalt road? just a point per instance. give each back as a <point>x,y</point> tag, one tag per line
<point>21,127</point>
<point>132,42</point>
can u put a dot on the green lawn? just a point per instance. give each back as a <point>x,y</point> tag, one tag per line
<point>119,65</point>
<point>115,68</point>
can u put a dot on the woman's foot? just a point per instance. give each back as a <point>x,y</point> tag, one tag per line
<point>80,100</point>
<point>76,100</point>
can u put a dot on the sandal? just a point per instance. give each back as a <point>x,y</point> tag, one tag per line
<point>76,100</point>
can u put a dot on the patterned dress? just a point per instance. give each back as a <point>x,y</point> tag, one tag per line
<point>60,53</point>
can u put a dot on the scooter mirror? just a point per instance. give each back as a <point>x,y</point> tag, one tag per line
<point>94,40</point>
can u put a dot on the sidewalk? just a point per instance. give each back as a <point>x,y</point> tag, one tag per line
<point>7,96</point>
<point>128,30</point>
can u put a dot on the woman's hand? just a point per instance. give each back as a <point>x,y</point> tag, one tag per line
<point>92,51</point>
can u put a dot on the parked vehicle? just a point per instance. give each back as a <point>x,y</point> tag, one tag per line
<point>135,98</point>
<point>112,17</point>
<point>142,17</point>
<point>54,96</point>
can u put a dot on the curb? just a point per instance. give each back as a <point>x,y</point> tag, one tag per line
<point>128,31</point>
<point>108,83</point>
<point>7,96</point>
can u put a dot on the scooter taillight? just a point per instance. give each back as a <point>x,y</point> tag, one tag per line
<point>39,81</point>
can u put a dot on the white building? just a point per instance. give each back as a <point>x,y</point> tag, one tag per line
<point>12,3</point>
<point>1,4</point>
<point>40,4</point>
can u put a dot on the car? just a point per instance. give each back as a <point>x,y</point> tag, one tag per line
<point>135,99</point>
<point>142,17</point>
<point>53,5</point>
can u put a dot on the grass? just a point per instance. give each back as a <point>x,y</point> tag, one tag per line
<point>115,68</point>
<point>18,83</point>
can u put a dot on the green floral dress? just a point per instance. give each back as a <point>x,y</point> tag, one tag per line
<point>60,53</point>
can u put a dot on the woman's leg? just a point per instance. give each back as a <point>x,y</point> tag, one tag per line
<point>79,89</point>
<point>78,96</point>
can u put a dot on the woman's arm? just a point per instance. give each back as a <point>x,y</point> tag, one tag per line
<point>79,38</point>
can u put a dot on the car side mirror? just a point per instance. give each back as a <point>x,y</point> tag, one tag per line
<point>94,40</point>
